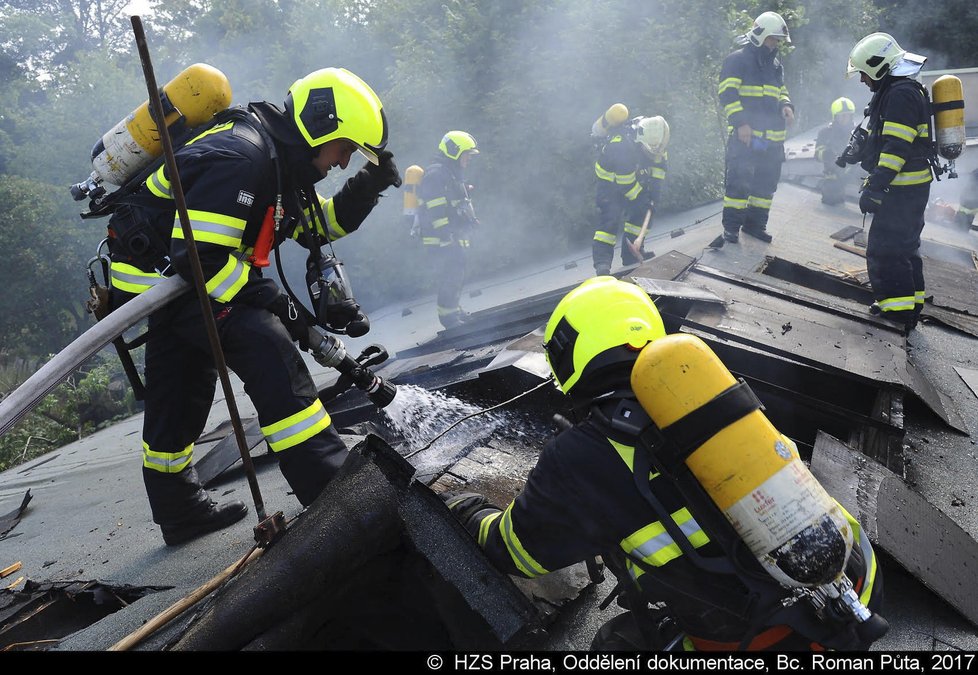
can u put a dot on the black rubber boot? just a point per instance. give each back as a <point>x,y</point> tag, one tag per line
<point>216,517</point>
<point>758,234</point>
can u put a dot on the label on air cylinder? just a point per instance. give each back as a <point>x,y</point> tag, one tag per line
<point>783,505</point>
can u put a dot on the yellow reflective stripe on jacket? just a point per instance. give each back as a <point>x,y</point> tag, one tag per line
<point>658,172</point>
<point>632,228</point>
<point>634,191</point>
<point>297,428</point>
<point>900,131</point>
<point>605,237</point>
<point>752,90</point>
<point>627,454</point>
<point>912,177</point>
<point>213,228</point>
<point>333,229</point>
<point>484,527</point>
<point>612,177</point>
<point>866,548</point>
<point>732,203</point>
<point>159,184</point>
<point>777,136</point>
<point>888,161</point>
<point>523,560</point>
<point>131,279</point>
<point>730,83</point>
<point>167,462</point>
<point>732,108</point>
<point>229,279</point>
<point>653,545</point>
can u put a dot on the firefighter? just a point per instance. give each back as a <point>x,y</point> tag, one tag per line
<point>897,157</point>
<point>829,144</point>
<point>231,174</point>
<point>758,110</point>
<point>630,170</point>
<point>581,498</point>
<point>447,219</point>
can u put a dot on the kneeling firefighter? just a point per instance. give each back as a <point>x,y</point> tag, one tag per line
<point>248,181</point>
<point>635,481</point>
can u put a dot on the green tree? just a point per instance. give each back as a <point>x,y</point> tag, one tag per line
<point>944,32</point>
<point>43,275</point>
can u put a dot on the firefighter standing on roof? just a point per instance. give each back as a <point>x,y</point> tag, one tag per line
<point>898,160</point>
<point>757,108</point>
<point>230,179</point>
<point>581,500</point>
<point>829,144</point>
<point>447,219</point>
<point>630,171</point>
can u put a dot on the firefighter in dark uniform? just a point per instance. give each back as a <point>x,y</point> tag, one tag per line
<point>230,179</point>
<point>447,220</point>
<point>829,144</point>
<point>630,171</point>
<point>897,157</point>
<point>581,499</point>
<point>757,108</point>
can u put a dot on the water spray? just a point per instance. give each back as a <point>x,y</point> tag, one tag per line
<point>427,445</point>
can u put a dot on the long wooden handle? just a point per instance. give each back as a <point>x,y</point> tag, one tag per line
<point>636,246</point>
<point>645,228</point>
<point>177,608</point>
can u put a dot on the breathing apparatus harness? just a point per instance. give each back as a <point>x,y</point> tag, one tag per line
<point>858,147</point>
<point>334,308</point>
<point>754,599</point>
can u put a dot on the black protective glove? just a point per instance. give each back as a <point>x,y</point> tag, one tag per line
<point>293,318</point>
<point>470,508</point>
<point>384,174</point>
<point>871,200</point>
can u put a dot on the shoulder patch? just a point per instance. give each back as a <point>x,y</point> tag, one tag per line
<point>243,130</point>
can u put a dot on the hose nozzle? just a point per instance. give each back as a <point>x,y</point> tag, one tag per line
<point>330,351</point>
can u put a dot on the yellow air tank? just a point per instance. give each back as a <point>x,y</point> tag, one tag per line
<point>412,179</point>
<point>751,471</point>
<point>196,95</point>
<point>612,117</point>
<point>947,95</point>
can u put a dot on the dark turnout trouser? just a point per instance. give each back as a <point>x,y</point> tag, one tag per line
<point>180,386</point>
<point>893,259</point>
<point>449,264</point>
<point>615,213</point>
<point>751,179</point>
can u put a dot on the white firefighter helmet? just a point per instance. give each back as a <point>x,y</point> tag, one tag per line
<point>652,133</point>
<point>768,24</point>
<point>876,55</point>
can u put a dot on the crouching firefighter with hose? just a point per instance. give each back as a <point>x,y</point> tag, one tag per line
<point>677,480</point>
<point>248,179</point>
